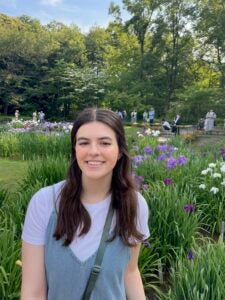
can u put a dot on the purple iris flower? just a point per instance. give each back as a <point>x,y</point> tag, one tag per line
<point>189,208</point>
<point>171,163</point>
<point>181,160</point>
<point>222,151</point>
<point>146,244</point>
<point>170,148</point>
<point>162,147</point>
<point>148,150</point>
<point>139,180</point>
<point>161,157</point>
<point>190,255</point>
<point>138,159</point>
<point>145,186</point>
<point>168,181</point>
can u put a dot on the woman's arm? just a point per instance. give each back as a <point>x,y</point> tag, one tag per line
<point>133,283</point>
<point>33,273</point>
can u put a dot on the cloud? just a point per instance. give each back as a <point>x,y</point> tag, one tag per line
<point>51,2</point>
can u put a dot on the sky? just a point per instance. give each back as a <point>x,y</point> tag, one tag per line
<point>83,13</point>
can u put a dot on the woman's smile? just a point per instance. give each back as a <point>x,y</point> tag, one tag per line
<point>97,150</point>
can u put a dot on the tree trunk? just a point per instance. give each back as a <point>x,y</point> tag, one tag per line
<point>6,106</point>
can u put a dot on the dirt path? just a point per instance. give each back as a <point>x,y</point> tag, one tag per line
<point>209,140</point>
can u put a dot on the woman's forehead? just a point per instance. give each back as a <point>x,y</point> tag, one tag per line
<point>95,129</point>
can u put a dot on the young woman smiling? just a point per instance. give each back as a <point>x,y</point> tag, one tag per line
<point>65,222</point>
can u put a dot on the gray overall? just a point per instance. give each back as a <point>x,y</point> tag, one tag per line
<point>67,275</point>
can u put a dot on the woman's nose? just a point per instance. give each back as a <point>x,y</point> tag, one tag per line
<point>94,149</point>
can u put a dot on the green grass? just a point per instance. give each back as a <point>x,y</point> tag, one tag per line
<point>11,172</point>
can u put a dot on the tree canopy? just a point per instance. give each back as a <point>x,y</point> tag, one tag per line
<point>168,54</point>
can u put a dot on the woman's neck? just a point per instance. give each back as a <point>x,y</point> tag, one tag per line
<point>93,192</point>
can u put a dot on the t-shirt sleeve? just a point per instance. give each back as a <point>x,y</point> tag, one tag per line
<point>37,217</point>
<point>143,215</point>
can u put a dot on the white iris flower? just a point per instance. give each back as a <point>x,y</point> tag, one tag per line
<point>216,175</point>
<point>212,165</point>
<point>202,186</point>
<point>214,190</point>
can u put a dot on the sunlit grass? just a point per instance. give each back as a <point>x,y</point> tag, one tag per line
<point>11,172</point>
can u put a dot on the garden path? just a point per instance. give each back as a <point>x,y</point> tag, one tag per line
<point>206,140</point>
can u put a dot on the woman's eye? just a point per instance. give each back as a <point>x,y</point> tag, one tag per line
<point>106,144</point>
<point>83,143</point>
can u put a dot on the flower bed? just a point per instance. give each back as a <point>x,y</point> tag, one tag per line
<point>185,192</point>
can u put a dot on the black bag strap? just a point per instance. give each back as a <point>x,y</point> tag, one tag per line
<point>99,256</point>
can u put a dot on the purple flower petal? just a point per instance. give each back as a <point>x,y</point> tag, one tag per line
<point>181,160</point>
<point>168,181</point>
<point>148,150</point>
<point>171,163</point>
<point>189,208</point>
<point>190,255</point>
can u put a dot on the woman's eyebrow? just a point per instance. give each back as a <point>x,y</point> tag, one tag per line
<point>105,138</point>
<point>87,139</point>
<point>82,138</point>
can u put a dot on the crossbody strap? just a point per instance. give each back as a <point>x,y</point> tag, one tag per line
<point>99,256</point>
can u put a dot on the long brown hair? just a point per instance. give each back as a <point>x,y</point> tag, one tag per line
<point>72,215</point>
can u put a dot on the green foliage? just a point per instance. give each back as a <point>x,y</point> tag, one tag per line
<point>172,229</point>
<point>12,212</point>
<point>148,266</point>
<point>195,102</point>
<point>163,55</point>
<point>3,196</point>
<point>45,171</point>
<point>211,186</point>
<point>9,254</point>
<point>201,277</point>
<point>31,145</point>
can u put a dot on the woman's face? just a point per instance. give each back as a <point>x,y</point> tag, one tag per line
<point>97,150</point>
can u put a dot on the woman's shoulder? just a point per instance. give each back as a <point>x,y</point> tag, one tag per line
<point>141,198</point>
<point>38,213</point>
<point>44,198</point>
<point>142,203</point>
<point>143,215</point>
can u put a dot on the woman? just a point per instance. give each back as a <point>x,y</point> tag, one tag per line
<point>209,120</point>
<point>64,222</point>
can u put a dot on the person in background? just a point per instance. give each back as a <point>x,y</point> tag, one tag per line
<point>120,115</point>
<point>35,116</point>
<point>209,120</point>
<point>64,222</point>
<point>151,115</point>
<point>201,123</point>
<point>124,112</point>
<point>177,121</point>
<point>145,116</point>
<point>166,125</point>
<point>133,117</point>
<point>17,113</point>
<point>41,116</point>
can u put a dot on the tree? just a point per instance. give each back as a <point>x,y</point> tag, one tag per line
<point>22,50</point>
<point>209,27</point>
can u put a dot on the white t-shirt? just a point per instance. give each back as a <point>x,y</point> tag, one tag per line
<point>166,124</point>
<point>42,205</point>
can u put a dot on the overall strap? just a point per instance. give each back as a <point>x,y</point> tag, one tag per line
<point>54,198</point>
<point>99,256</point>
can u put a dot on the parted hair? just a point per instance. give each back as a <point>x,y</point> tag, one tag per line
<point>73,219</point>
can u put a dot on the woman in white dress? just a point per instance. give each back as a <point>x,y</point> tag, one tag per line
<point>209,120</point>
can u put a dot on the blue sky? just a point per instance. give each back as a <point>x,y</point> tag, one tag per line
<point>83,13</point>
